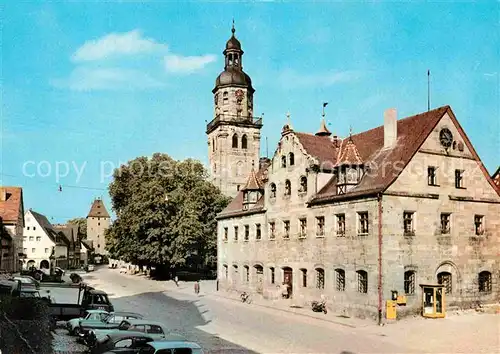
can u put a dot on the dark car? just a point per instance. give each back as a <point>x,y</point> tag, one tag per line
<point>155,330</point>
<point>121,342</point>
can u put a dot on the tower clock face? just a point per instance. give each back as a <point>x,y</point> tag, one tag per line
<point>446,137</point>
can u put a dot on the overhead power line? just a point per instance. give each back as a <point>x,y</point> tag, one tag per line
<point>57,185</point>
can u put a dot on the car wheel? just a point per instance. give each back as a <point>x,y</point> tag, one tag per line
<point>77,331</point>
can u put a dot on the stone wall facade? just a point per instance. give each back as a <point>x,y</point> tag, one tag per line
<point>333,262</point>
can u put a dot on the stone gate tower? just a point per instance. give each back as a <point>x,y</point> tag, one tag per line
<point>98,221</point>
<point>234,133</point>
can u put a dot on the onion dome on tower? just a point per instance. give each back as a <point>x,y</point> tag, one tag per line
<point>233,74</point>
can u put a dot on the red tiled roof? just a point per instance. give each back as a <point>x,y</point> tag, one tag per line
<point>349,154</point>
<point>12,206</point>
<point>384,165</point>
<point>320,147</point>
<point>98,209</point>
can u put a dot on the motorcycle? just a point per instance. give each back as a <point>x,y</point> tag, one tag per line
<point>319,306</point>
<point>245,297</point>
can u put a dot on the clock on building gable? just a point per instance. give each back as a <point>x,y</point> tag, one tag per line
<point>446,137</point>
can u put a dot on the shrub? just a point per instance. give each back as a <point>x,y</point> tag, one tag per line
<point>24,326</point>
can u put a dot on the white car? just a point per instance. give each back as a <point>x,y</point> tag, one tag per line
<point>90,268</point>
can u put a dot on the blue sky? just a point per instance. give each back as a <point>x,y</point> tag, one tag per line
<point>95,84</point>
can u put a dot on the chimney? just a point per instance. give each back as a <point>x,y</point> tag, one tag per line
<point>390,128</point>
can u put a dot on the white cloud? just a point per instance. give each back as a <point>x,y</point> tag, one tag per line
<point>187,65</point>
<point>292,79</point>
<point>87,79</point>
<point>116,44</point>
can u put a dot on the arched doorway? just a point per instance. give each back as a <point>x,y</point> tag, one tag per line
<point>288,279</point>
<point>30,264</point>
<point>44,264</point>
<point>259,278</point>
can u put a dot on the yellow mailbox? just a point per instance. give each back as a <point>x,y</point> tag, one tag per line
<point>390,309</point>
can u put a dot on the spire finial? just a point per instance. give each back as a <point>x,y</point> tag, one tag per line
<point>288,117</point>
<point>350,131</point>
<point>233,29</point>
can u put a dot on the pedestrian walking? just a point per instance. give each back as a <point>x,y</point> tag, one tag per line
<point>197,287</point>
<point>176,280</point>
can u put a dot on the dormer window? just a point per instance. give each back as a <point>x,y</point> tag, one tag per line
<point>288,188</point>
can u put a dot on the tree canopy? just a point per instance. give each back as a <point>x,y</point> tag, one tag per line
<point>165,213</point>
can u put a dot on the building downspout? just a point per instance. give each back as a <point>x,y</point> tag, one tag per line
<point>380,292</point>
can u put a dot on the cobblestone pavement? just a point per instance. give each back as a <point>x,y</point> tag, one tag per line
<point>222,325</point>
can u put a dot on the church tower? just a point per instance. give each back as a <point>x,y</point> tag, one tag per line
<point>234,133</point>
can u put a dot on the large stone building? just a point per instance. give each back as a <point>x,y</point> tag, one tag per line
<point>98,221</point>
<point>404,204</point>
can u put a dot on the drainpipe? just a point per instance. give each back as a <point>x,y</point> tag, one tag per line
<point>380,292</point>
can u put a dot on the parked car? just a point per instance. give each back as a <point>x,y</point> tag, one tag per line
<point>125,342</point>
<point>90,316</point>
<point>168,347</point>
<point>113,321</point>
<point>89,268</point>
<point>157,331</point>
<point>27,280</point>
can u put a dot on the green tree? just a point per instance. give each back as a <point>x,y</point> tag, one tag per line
<point>165,213</point>
<point>82,223</point>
